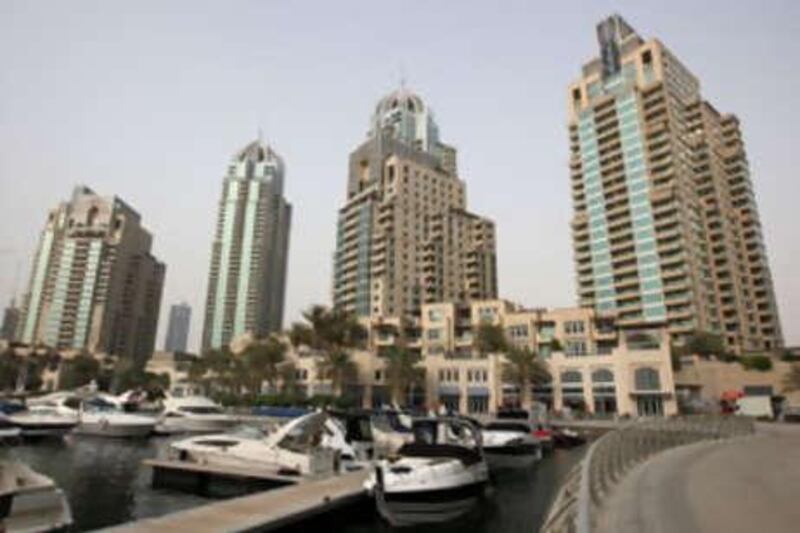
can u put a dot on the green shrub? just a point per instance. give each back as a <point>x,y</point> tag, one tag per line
<point>761,363</point>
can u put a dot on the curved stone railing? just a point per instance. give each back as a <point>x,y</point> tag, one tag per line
<point>613,455</point>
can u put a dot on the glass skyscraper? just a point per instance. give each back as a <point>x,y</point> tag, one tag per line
<point>178,328</point>
<point>247,280</point>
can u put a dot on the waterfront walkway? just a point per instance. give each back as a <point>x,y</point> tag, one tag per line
<point>741,485</point>
<point>263,511</point>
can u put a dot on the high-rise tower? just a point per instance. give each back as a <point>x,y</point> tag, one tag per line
<point>404,234</point>
<point>247,281</point>
<point>665,225</point>
<point>178,328</point>
<point>94,285</point>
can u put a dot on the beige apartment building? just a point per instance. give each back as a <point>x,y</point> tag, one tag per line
<point>665,225</point>
<point>404,235</point>
<point>596,363</point>
<point>94,285</point>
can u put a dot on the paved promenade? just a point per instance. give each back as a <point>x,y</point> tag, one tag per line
<point>743,485</point>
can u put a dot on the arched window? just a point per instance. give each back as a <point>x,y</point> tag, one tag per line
<point>92,216</point>
<point>602,375</point>
<point>571,376</point>
<point>647,379</point>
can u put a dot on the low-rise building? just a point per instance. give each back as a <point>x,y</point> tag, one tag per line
<point>596,364</point>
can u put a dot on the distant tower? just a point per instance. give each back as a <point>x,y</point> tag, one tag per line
<point>11,317</point>
<point>404,235</point>
<point>247,281</point>
<point>94,284</point>
<point>178,328</point>
<point>665,226</point>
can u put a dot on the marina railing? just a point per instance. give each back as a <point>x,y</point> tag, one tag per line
<point>612,456</point>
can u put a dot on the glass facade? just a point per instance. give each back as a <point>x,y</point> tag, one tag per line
<point>228,220</point>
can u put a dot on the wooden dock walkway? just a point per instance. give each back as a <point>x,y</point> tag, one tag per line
<point>264,511</point>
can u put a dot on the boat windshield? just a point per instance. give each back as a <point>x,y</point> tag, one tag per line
<point>98,404</point>
<point>248,432</point>
<point>390,420</point>
<point>201,409</point>
<point>508,426</point>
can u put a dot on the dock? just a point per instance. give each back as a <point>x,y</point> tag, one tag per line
<point>265,511</point>
<point>215,481</point>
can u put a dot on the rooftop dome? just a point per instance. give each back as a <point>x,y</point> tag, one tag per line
<point>402,98</point>
<point>405,116</point>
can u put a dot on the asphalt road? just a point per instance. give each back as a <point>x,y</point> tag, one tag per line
<point>750,484</point>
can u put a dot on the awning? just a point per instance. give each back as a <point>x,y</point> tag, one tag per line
<point>449,390</point>
<point>477,391</point>
<point>663,394</point>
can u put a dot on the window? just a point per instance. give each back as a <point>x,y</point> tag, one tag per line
<point>434,315</point>
<point>602,375</point>
<point>519,331</point>
<point>571,376</point>
<point>572,348</point>
<point>574,327</point>
<point>647,379</point>
<point>434,334</point>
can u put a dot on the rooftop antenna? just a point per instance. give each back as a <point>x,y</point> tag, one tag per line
<point>402,73</point>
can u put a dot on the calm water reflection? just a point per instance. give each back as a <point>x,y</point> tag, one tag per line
<point>103,478</point>
<point>107,485</point>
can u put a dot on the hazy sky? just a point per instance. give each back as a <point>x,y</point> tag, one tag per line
<point>149,99</point>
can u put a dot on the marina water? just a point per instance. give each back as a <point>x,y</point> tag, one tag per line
<point>107,485</point>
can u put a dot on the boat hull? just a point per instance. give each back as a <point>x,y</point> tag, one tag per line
<point>410,508</point>
<point>174,426</point>
<point>40,431</point>
<point>104,429</point>
<point>520,456</point>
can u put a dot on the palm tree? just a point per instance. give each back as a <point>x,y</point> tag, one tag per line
<point>490,338</point>
<point>523,368</point>
<point>332,333</point>
<point>402,371</point>
<point>261,361</point>
<point>791,381</point>
<point>335,364</point>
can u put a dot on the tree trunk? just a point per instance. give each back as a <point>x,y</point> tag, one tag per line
<point>525,394</point>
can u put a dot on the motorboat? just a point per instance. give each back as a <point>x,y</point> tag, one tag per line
<point>437,477</point>
<point>294,449</point>
<point>40,421</point>
<point>567,438</point>
<point>510,444</point>
<point>192,414</point>
<point>355,427</point>
<point>8,430</point>
<point>30,501</point>
<point>389,432</point>
<point>97,416</point>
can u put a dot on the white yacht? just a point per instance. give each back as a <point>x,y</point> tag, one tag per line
<point>30,501</point>
<point>439,476</point>
<point>192,414</point>
<point>510,444</point>
<point>40,421</point>
<point>294,449</point>
<point>97,416</point>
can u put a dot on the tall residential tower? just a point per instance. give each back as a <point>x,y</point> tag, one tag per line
<point>247,281</point>
<point>404,235</point>
<point>665,225</point>
<point>94,285</point>
<point>178,328</point>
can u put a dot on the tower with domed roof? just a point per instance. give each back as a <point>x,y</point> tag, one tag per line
<point>247,278</point>
<point>405,236</point>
